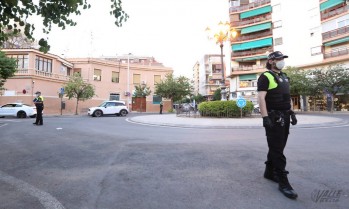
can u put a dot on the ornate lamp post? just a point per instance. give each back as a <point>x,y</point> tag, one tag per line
<point>222,34</point>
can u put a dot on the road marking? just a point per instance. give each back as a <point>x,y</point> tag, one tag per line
<point>2,125</point>
<point>44,198</point>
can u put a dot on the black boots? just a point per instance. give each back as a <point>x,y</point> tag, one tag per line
<point>281,178</point>
<point>284,186</point>
<point>270,173</point>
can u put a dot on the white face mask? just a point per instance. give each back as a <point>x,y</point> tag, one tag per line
<point>280,64</point>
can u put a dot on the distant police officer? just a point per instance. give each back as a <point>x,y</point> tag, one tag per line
<point>275,106</point>
<point>161,106</point>
<point>39,103</point>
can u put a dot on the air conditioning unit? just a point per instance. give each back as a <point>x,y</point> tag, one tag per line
<point>126,93</point>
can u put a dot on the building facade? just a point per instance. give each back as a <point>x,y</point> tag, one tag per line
<point>207,75</point>
<point>112,79</point>
<point>313,35</point>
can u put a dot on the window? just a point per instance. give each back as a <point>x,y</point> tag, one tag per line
<point>63,69</point>
<point>156,99</point>
<point>157,79</point>
<point>97,75</point>
<point>315,50</point>
<point>246,84</point>
<point>314,31</point>
<point>277,24</point>
<point>22,60</point>
<point>276,8</point>
<point>136,79</point>
<point>234,3</point>
<point>115,77</point>
<point>114,96</point>
<point>43,64</point>
<point>278,41</point>
<point>343,23</point>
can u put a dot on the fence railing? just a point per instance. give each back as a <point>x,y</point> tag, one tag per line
<point>194,113</point>
<point>327,15</point>
<point>249,6</point>
<point>258,19</point>
<point>336,53</point>
<point>335,33</point>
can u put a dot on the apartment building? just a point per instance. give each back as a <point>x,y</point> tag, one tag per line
<point>112,79</point>
<point>207,75</point>
<point>313,35</point>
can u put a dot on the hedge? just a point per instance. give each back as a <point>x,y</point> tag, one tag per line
<point>227,109</point>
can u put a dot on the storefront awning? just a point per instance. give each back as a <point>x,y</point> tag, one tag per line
<point>256,28</point>
<point>338,41</point>
<point>253,44</point>
<point>330,3</point>
<point>255,12</point>
<point>248,77</point>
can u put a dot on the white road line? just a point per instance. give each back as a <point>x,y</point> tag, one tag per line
<point>2,125</point>
<point>44,198</point>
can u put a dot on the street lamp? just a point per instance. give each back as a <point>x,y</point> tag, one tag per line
<point>128,80</point>
<point>222,34</point>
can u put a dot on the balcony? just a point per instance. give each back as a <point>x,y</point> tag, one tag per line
<point>335,33</point>
<point>255,20</point>
<point>336,53</point>
<point>253,36</point>
<point>333,13</point>
<point>249,6</point>
<point>251,52</point>
<point>42,74</point>
<point>248,68</point>
<point>217,76</point>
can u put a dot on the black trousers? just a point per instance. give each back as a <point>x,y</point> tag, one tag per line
<point>277,139</point>
<point>39,120</point>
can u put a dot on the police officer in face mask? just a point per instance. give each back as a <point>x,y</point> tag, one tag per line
<point>275,106</point>
<point>39,103</point>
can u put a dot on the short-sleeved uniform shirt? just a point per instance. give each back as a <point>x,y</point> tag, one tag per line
<point>282,103</point>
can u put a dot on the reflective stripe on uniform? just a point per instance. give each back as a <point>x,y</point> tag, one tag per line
<point>272,82</point>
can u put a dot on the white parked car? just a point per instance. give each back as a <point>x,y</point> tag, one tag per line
<point>19,110</point>
<point>109,108</point>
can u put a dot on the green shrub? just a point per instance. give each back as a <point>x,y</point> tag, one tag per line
<point>227,109</point>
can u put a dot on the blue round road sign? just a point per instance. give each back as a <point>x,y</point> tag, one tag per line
<point>241,102</point>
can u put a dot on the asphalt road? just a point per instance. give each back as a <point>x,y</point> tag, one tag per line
<point>107,163</point>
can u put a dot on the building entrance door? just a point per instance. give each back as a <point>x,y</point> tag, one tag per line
<point>295,102</point>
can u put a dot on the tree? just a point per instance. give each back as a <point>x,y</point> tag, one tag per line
<point>217,96</point>
<point>79,89</point>
<point>299,82</point>
<point>17,40</point>
<point>8,68</point>
<point>199,98</point>
<point>331,80</point>
<point>141,91</point>
<point>173,88</point>
<point>14,16</point>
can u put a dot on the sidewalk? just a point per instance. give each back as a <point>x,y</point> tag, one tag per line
<point>304,121</point>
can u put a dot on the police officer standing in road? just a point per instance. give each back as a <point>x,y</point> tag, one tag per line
<point>39,103</point>
<point>275,106</point>
<point>161,106</point>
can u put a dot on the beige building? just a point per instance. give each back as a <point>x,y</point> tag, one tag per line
<point>113,79</point>
<point>207,75</point>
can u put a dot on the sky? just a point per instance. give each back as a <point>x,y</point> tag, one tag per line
<point>173,32</point>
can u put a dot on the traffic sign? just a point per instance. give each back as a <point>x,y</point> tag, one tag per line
<point>241,102</point>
